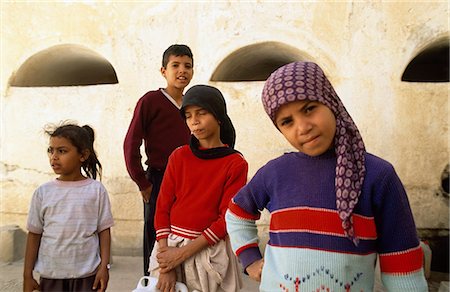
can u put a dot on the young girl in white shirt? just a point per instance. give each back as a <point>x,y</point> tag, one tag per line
<point>70,218</point>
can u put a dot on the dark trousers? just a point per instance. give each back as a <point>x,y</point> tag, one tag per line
<point>73,285</point>
<point>155,177</point>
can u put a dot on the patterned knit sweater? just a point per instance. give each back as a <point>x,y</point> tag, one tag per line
<point>195,194</point>
<point>307,249</point>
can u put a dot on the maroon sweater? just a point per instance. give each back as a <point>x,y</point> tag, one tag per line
<point>158,122</point>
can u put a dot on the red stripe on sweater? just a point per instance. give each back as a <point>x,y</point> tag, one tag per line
<point>242,248</point>
<point>241,213</point>
<point>323,221</point>
<point>403,262</point>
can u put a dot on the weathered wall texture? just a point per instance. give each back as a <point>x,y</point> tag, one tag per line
<point>363,47</point>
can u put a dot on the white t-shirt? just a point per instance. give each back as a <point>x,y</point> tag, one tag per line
<point>69,215</point>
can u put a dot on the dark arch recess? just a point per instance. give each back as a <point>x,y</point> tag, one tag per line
<point>430,65</point>
<point>256,62</point>
<point>64,65</point>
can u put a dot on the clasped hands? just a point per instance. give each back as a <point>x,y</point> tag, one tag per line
<point>168,258</point>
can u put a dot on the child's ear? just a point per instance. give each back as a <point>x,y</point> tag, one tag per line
<point>163,71</point>
<point>85,155</point>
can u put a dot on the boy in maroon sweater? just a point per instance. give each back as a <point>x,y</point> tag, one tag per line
<point>157,122</point>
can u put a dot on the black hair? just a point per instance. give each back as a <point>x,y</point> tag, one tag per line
<point>176,50</point>
<point>83,139</point>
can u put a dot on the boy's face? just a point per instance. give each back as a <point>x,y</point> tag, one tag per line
<point>203,125</point>
<point>309,126</point>
<point>178,72</point>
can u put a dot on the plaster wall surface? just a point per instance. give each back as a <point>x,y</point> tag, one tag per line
<point>362,47</point>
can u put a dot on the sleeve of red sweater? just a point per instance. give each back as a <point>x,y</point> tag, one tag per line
<point>166,198</point>
<point>132,143</point>
<point>236,179</point>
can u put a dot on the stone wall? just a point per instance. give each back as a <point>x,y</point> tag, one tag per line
<point>363,47</point>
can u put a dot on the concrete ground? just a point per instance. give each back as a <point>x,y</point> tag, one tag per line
<point>126,272</point>
<point>123,277</point>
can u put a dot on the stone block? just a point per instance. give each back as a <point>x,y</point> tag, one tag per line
<point>12,243</point>
<point>444,286</point>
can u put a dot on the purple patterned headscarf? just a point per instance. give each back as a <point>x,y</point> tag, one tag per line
<point>306,81</point>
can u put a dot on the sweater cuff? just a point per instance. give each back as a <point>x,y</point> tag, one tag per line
<point>210,236</point>
<point>162,233</point>
<point>402,262</point>
<point>248,255</point>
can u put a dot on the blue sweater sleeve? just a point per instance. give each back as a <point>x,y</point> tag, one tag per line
<point>400,254</point>
<point>244,210</point>
<point>393,217</point>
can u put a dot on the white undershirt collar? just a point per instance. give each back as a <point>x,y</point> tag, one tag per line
<point>170,98</point>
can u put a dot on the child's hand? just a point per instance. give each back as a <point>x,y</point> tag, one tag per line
<point>146,194</point>
<point>169,258</point>
<point>30,284</point>
<point>255,269</point>
<point>102,278</point>
<point>167,281</point>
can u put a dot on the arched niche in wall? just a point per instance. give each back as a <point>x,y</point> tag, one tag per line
<point>64,65</point>
<point>256,62</point>
<point>429,65</point>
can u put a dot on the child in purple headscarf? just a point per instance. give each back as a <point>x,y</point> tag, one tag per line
<point>334,207</point>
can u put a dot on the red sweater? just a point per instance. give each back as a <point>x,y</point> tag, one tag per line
<point>195,194</point>
<point>158,122</point>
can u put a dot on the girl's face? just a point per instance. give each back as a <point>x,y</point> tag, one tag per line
<point>309,126</point>
<point>65,159</point>
<point>203,125</point>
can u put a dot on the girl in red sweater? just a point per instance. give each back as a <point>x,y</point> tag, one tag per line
<point>199,181</point>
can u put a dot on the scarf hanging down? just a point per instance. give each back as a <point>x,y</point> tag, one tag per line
<point>306,81</point>
<point>211,99</point>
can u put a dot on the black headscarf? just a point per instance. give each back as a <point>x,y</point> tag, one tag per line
<point>212,100</point>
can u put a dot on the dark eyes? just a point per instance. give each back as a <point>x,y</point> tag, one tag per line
<point>305,111</point>
<point>59,151</point>
<point>310,108</point>
<point>285,122</point>
<point>188,66</point>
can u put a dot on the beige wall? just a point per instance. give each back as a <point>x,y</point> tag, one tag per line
<point>363,47</point>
